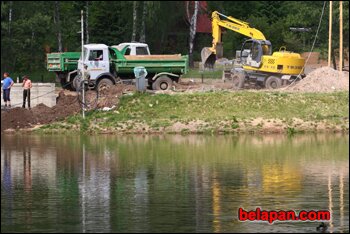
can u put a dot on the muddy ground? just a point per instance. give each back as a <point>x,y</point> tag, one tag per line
<point>67,104</point>
<point>320,80</point>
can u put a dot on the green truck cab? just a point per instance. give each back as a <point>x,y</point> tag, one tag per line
<point>105,65</point>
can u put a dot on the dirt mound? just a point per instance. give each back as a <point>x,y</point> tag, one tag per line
<point>314,57</point>
<point>324,79</point>
<point>110,97</point>
<point>67,104</point>
<point>17,118</point>
<point>43,114</point>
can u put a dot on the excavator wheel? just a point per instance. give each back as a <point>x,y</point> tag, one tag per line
<point>273,82</point>
<point>238,81</point>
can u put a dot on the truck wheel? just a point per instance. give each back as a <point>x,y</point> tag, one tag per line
<point>104,84</point>
<point>61,77</point>
<point>63,83</point>
<point>273,82</point>
<point>238,81</point>
<point>76,84</point>
<point>162,83</point>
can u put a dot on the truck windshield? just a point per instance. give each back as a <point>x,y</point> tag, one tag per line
<point>141,51</point>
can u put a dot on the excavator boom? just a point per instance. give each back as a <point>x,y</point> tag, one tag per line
<point>209,54</point>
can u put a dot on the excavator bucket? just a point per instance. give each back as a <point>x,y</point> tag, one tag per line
<point>208,58</point>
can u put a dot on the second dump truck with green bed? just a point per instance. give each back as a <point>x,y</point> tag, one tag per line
<point>104,66</point>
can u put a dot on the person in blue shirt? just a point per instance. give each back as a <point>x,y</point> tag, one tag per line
<point>6,87</point>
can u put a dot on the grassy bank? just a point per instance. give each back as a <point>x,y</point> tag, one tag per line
<point>217,112</point>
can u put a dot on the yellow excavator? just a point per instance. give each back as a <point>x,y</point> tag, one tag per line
<point>255,63</point>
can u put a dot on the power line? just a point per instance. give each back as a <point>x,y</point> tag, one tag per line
<point>312,47</point>
<point>17,104</point>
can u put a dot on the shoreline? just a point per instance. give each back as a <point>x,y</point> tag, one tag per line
<point>217,112</point>
<point>258,126</point>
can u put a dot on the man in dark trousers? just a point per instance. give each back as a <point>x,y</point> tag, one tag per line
<point>27,85</point>
<point>6,87</point>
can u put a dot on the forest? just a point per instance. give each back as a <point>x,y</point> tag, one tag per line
<point>31,29</point>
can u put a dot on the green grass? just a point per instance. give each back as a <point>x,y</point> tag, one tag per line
<point>242,105</point>
<point>162,110</point>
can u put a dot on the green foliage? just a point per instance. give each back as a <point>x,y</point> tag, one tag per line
<point>32,31</point>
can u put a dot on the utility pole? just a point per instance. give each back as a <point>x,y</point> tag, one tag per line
<point>330,34</point>
<point>340,35</point>
<point>82,60</point>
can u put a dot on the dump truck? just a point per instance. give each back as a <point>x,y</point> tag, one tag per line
<point>65,64</point>
<point>104,66</point>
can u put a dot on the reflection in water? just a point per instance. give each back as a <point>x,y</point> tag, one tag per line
<point>94,188</point>
<point>27,170</point>
<point>216,205</point>
<point>83,191</point>
<point>341,194</point>
<point>169,183</point>
<point>330,207</point>
<point>27,177</point>
<point>6,185</point>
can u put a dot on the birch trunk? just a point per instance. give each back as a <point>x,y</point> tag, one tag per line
<point>58,25</point>
<point>10,19</point>
<point>134,26</point>
<point>143,23</point>
<point>87,23</point>
<point>193,28</point>
<point>10,34</point>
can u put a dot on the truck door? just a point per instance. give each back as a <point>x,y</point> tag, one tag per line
<point>98,62</point>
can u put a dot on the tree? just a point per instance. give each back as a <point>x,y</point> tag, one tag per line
<point>58,25</point>
<point>87,22</point>
<point>193,28</point>
<point>143,22</point>
<point>134,18</point>
<point>30,29</point>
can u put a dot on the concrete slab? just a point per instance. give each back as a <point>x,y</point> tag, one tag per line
<point>40,93</point>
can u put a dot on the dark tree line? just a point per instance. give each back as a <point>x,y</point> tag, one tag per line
<point>30,29</point>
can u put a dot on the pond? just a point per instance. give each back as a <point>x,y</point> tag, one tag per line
<point>170,183</point>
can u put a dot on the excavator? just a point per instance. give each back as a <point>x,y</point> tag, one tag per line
<point>255,63</point>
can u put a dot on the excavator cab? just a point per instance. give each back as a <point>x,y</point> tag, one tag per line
<point>253,50</point>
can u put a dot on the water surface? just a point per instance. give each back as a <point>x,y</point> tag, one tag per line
<point>170,183</point>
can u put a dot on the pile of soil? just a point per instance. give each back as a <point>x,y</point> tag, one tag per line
<point>324,79</point>
<point>314,57</point>
<point>18,118</point>
<point>110,98</point>
<point>67,104</point>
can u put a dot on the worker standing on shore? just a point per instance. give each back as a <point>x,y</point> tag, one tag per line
<point>27,85</point>
<point>6,87</point>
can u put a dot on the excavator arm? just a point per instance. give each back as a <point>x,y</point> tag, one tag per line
<point>209,54</point>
